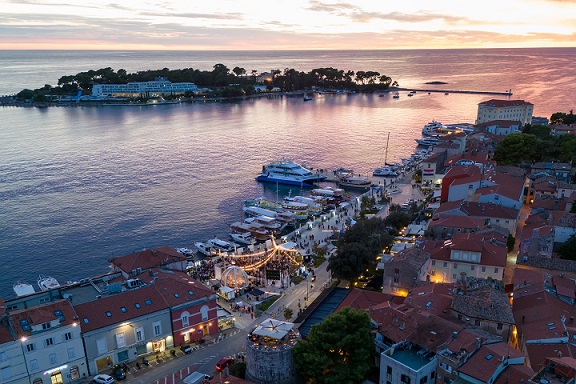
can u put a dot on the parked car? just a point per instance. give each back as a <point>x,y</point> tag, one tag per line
<point>224,363</point>
<point>186,348</point>
<point>103,379</point>
<point>118,372</point>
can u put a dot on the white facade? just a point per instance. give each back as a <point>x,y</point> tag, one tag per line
<point>462,191</point>
<point>514,110</point>
<point>12,364</point>
<point>55,353</point>
<point>158,87</point>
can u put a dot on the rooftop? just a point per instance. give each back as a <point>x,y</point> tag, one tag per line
<point>410,357</point>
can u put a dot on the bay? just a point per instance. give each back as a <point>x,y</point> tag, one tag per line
<point>81,185</point>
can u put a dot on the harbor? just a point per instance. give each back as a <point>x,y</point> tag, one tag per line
<point>448,91</point>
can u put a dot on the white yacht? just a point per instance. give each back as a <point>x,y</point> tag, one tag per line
<point>243,238</point>
<point>354,182</point>
<point>47,282</point>
<point>385,171</point>
<point>428,141</point>
<point>288,172</point>
<point>432,128</point>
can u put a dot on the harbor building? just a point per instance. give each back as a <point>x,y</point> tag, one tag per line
<point>158,87</point>
<point>513,110</point>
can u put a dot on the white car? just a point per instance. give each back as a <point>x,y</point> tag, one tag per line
<point>103,379</point>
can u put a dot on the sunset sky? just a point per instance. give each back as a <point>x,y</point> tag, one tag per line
<point>285,25</point>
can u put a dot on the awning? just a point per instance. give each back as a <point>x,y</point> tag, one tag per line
<point>290,246</point>
<point>273,328</point>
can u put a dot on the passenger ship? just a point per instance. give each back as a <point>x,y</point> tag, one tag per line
<point>288,172</point>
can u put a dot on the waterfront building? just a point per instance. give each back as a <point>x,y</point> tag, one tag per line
<point>501,127</point>
<point>122,327</point>
<point>158,87</point>
<point>50,346</point>
<point>514,110</point>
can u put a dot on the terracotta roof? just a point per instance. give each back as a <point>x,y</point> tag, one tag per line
<point>483,364</point>
<point>563,219</point>
<point>363,299</point>
<point>119,308</point>
<point>436,298</point>
<point>177,288</point>
<point>538,353</point>
<point>413,257</point>
<point>515,374</point>
<point>464,340</point>
<point>504,103</point>
<point>489,210</point>
<point>432,332</point>
<point>148,258</point>
<point>24,320</point>
<point>457,221</point>
<point>484,303</point>
<point>5,334</point>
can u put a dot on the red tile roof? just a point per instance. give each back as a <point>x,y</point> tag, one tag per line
<point>137,302</point>
<point>538,353</point>
<point>457,221</point>
<point>483,364</point>
<point>504,103</point>
<point>177,288</point>
<point>363,299</point>
<point>436,298</point>
<point>149,258</point>
<point>515,374</point>
<point>41,314</point>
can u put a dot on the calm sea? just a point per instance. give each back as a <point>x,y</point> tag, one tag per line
<point>81,185</point>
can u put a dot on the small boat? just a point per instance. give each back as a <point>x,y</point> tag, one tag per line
<point>396,96</point>
<point>186,251</point>
<point>243,238</point>
<point>23,289</point>
<point>203,248</point>
<point>307,97</point>
<point>219,245</point>
<point>385,171</point>
<point>267,222</point>
<point>410,94</point>
<point>354,182</point>
<point>445,93</point>
<point>47,282</point>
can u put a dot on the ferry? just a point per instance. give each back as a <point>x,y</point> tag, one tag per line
<point>286,171</point>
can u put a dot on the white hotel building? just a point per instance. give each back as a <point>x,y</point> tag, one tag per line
<point>511,110</point>
<point>159,87</point>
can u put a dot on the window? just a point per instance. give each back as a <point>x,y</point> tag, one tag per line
<point>424,380</point>
<point>389,370</point>
<point>68,336</point>
<point>405,379</point>
<point>204,312</point>
<point>71,353</point>
<point>6,373</point>
<point>137,305</point>
<point>454,276</point>
<point>120,341</point>
<point>499,326</point>
<point>433,262</point>
<point>495,270</point>
<point>45,325</point>
<point>101,346</point>
<point>139,334</point>
<point>86,320</point>
<point>455,266</point>
<point>123,309</point>
<point>185,319</point>
<point>148,302</point>
<point>59,314</point>
<point>176,295</point>
<point>30,347</point>
<point>53,359</point>
<point>445,264</point>
<point>472,267</point>
<point>49,341</point>
<point>25,325</point>
<point>33,364</point>
<point>483,269</point>
<point>108,313</point>
<point>157,328</point>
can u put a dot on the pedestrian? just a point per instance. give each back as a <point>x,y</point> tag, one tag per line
<point>252,315</point>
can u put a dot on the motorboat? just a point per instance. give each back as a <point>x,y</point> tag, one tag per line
<point>299,209</point>
<point>224,246</point>
<point>396,96</point>
<point>243,238</point>
<point>432,128</point>
<point>186,251</point>
<point>314,206</point>
<point>203,248</point>
<point>259,233</point>
<point>263,203</point>
<point>307,97</point>
<point>46,283</point>
<point>258,211</point>
<point>267,222</point>
<point>428,141</point>
<point>23,289</point>
<point>385,171</point>
<point>354,182</point>
<point>286,171</point>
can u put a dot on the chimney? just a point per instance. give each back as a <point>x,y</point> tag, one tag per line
<point>478,343</point>
<point>454,335</point>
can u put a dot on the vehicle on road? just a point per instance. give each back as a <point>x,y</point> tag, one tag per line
<point>103,379</point>
<point>197,378</point>
<point>224,363</point>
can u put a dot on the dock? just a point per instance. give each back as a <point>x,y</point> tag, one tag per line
<point>507,93</point>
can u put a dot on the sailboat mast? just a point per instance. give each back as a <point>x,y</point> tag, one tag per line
<point>386,152</point>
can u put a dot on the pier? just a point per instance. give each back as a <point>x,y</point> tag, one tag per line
<point>507,93</point>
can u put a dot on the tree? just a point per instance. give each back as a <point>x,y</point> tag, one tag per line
<point>567,250</point>
<point>238,71</point>
<point>337,350</point>
<point>350,261</point>
<point>288,314</point>
<point>516,148</point>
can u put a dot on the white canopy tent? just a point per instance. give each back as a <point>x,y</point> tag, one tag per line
<point>274,329</point>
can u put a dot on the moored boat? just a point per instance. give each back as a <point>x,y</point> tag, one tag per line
<point>354,182</point>
<point>385,171</point>
<point>243,238</point>
<point>286,171</point>
<point>428,141</point>
<point>432,128</point>
<point>47,282</point>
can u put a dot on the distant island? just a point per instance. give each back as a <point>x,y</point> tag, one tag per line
<point>435,82</point>
<point>219,83</point>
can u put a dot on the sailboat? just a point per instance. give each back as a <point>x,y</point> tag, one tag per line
<point>387,170</point>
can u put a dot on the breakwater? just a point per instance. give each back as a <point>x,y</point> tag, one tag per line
<point>397,89</point>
